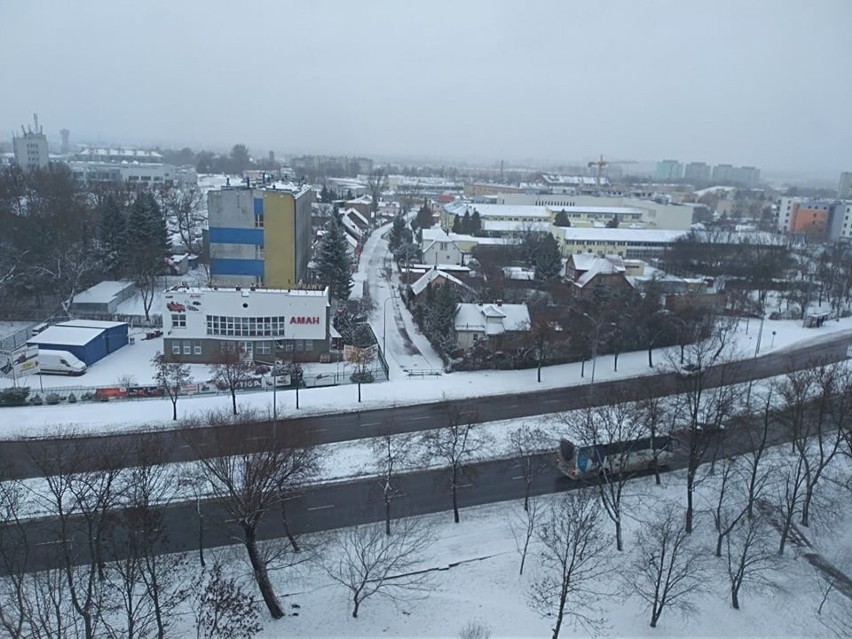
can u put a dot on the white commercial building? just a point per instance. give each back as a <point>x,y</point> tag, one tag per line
<point>31,148</point>
<point>267,324</point>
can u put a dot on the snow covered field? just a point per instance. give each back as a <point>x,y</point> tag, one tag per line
<point>475,577</point>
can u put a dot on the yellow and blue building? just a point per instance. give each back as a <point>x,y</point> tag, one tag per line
<point>259,236</point>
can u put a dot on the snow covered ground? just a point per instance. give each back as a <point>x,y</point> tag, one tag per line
<point>475,577</point>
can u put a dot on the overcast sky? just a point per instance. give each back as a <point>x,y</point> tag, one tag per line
<point>744,82</point>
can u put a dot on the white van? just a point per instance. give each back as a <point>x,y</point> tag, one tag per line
<point>60,363</point>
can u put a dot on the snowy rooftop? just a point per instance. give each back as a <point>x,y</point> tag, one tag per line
<point>72,336</point>
<point>589,261</point>
<point>507,226</point>
<point>521,211</point>
<point>573,233</point>
<point>253,290</point>
<point>430,276</point>
<point>102,292</point>
<point>84,323</point>
<point>599,210</point>
<point>475,317</point>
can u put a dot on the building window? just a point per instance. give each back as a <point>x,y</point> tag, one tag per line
<point>258,221</point>
<point>309,345</point>
<point>263,348</point>
<point>187,347</point>
<point>176,347</point>
<point>178,320</point>
<point>196,347</point>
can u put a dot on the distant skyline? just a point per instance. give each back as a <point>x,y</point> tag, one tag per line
<point>746,83</point>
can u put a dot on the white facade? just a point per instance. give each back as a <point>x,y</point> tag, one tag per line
<point>265,322</point>
<point>442,251</point>
<point>844,187</point>
<point>31,150</point>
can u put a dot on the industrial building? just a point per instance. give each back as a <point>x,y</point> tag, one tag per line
<point>266,323</point>
<point>88,341</point>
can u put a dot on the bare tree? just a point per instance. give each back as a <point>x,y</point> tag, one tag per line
<point>475,630</point>
<point>147,579</point>
<point>15,591</point>
<point>526,444</point>
<point>758,439</point>
<point>523,526</point>
<point>614,429</point>
<point>392,453</point>
<point>572,561</point>
<point>83,506</point>
<point>223,609</point>
<point>231,368</point>
<point>377,182</point>
<point>656,415</point>
<point>667,572</point>
<point>454,444</point>
<point>171,376</point>
<point>705,408</point>
<point>726,518</point>
<point>370,562</point>
<point>184,205</point>
<point>749,556</point>
<point>788,498</point>
<point>249,485</point>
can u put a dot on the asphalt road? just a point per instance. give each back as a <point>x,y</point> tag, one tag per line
<point>39,457</point>
<point>324,507</point>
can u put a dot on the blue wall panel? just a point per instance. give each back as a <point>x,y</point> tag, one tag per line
<point>225,235</point>
<point>258,206</point>
<point>236,267</point>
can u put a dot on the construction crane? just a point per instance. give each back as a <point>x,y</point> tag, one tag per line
<point>601,163</point>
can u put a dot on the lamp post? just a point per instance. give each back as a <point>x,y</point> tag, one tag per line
<point>598,325</point>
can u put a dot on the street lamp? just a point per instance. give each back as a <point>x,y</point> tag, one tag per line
<point>598,325</point>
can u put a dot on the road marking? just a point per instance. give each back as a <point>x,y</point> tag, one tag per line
<point>322,507</point>
<point>550,401</point>
<point>370,423</point>
<point>49,543</point>
<point>519,477</point>
<point>419,419</point>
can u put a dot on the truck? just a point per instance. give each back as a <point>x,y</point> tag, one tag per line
<point>60,363</point>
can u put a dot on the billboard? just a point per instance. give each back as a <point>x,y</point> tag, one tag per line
<point>19,362</point>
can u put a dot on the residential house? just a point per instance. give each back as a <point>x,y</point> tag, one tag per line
<point>442,250</point>
<point>497,323</point>
<point>586,271</point>
<point>433,278</point>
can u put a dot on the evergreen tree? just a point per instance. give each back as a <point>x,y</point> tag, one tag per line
<point>548,261</point>
<point>147,245</point>
<point>561,219</point>
<point>465,223</point>
<point>334,265</point>
<point>458,226</point>
<point>112,236</point>
<point>400,233</point>
<point>424,219</point>
<point>440,317</point>
<point>475,223</point>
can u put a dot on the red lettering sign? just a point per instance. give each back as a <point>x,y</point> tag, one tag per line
<point>302,319</point>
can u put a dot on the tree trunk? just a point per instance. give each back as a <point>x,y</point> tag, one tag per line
<point>357,603</point>
<point>234,398</point>
<point>455,494</point>
<point>806,504</point>
<point>387,516</point>
<point>260,574</point>
<point>719,539</point>
<point>619,542</point>
<point>174,409</point>
<point>615,362</point>
<point>290,537</point>
<point>690,486</point>
<point>735,597</point>
<point>650,365</point>
<point>583,368</point>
